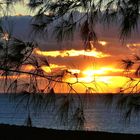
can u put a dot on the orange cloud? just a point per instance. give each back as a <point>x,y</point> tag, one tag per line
<point>72,53</point>
<point>134,46</point>
<point>53,67</point>
<point>102,42</point>
<point>27,67</point>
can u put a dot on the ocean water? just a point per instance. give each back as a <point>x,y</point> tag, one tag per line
<point>99,117</point>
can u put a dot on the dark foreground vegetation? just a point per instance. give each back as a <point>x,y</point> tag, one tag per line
<point>12,132</point>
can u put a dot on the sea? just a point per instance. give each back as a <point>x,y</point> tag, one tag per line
<point>99,116</point>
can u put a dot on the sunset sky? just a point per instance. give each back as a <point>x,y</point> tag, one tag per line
<point>103,62</point>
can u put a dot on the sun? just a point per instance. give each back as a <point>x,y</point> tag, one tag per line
<point>97,75</point>
<point>88,75</point>
<point>92,72</point>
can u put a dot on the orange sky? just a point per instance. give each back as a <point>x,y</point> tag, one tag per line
<point>104,67</point>
<point>102,64</point>
<point>99,69</point>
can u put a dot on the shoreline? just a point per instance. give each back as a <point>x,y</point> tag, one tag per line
<point>13,132</point>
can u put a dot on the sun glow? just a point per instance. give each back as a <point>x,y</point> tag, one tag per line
<point>93,72</point>
<point>101,71</point>
<point>103,78</point>
<point>102,84</point>
<point>74,71</point>
<point>98,75</point>
<point>90,75</point>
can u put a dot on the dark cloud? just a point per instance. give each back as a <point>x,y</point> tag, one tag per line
<point>22,28</point>
<point>19,26</point>
<point>115,47</point>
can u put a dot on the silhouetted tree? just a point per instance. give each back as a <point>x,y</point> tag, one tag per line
<point>83,15</point>
<point>66,16</point>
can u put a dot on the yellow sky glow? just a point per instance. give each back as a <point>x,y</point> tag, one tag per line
<point>102,84</point>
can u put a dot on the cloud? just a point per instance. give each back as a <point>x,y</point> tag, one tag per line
<point>108,51</point>
<point>71,53</point>
<point>109,41</point>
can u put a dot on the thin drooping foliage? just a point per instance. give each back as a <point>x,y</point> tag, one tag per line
<point>130,102</point>
<point>128,99</point>
<point>85,14</point>
<point>66,17</point>
<point>26,84</point>
<point>34,88</point>
<point>132,68</point>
